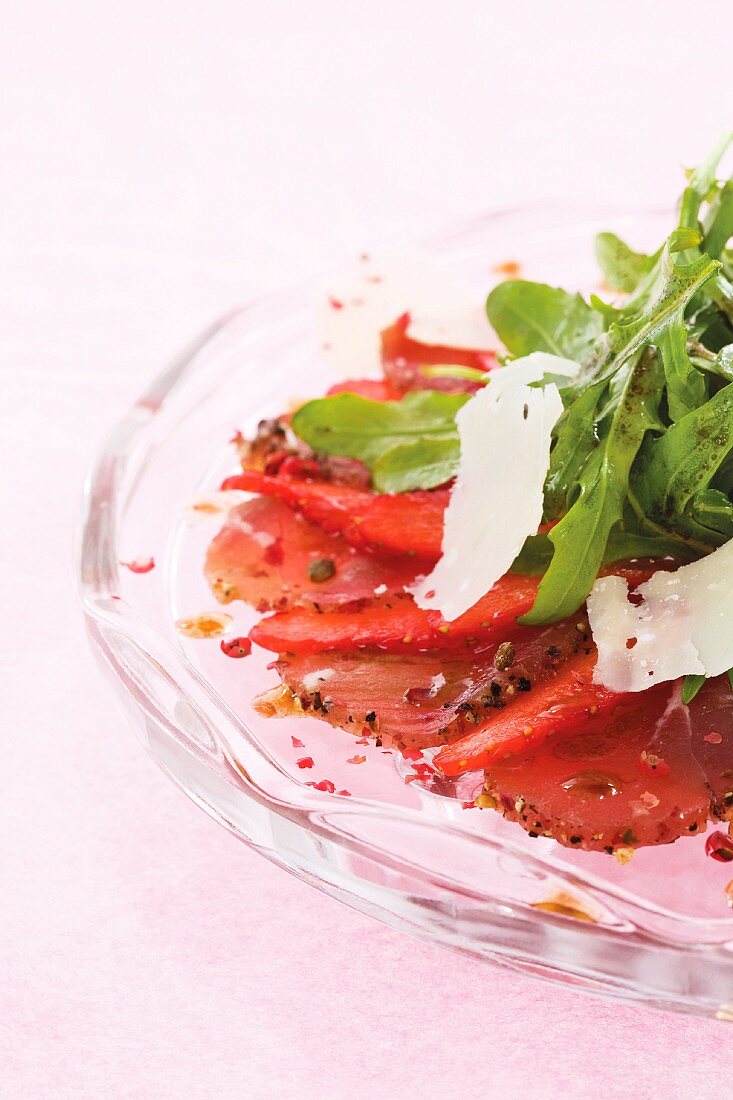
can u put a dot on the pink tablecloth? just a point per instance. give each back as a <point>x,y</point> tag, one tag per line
<point>159,164</point>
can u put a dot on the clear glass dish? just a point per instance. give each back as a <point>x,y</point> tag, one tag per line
<point>657,930</point>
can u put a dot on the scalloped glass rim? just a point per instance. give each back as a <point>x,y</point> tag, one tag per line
<point>430,875</point>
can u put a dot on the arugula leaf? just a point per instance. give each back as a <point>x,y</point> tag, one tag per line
<point>357,427</point>
<point>710,328</point>
<point>690,687</point>
<point>576,437</point>
<point>423,464</point>
<point>719,225</point>
<point>535,317</point>
<point>682,243</point>
<point>534,557</point>
<point>712,509</point>
<point>536,554</point>
<point>623,269</point>
<point>683,461</point>
<point>581,536</point>
<point>450,370</point>
<point>700,183</point>
<point>686,387</point>
<point>675,285</point>
<point>692,684</point>
<point>724,362</point>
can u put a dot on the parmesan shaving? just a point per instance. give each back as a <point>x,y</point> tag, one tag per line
<point>684,625</point>
<point>496,503</point>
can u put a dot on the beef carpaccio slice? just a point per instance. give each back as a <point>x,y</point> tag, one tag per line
<point>711,722</point>
<point>644,776</point>
<point>262,555</point>
<point>422,699</point>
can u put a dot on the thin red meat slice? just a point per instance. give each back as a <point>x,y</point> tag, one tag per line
<point>422,699</point>
<point>711,721</point>
<point>406,523</point>
<point>587,789</point>
<point>262,555</point>
<point>402,358</point>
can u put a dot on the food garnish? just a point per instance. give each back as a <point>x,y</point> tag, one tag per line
<point>520,557</point>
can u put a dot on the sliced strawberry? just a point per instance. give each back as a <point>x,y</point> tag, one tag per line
<point>398,625</point>
<point>402,358</point>
<point>376,389</point>
<point>422,699</point>
<point>406,523</point>
<point>263,553</point>
<point>557,704</point>
<point>711,721</point>
<point>587,790</point>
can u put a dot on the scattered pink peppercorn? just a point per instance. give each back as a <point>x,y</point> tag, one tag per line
<point>719,846</point>
<point>356,760</point>
<point>335,303</point>
<point>236,647</point>
<point>324,785</point>
<point>139,565</point>
<point>411,754</point>
<point>296,742</point>
<point>305,762</point>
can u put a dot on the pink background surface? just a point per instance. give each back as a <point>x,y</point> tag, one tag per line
<point>160,163</point>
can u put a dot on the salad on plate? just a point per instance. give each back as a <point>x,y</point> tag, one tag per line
<point>509,554</point>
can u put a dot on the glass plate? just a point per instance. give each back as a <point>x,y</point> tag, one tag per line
<point>657,930</point>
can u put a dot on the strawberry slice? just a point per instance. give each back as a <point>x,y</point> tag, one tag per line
<point>587,789</point>
<point>422,699</point>
<point>396,625</point>
<point>264,553</point>
<point>402,358</point>
<point>559,703</point>
<point>406,523</point>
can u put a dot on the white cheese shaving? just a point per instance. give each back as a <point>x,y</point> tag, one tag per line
<point>355,308</point>
<point>684,625</point>
<point>505,433</point>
